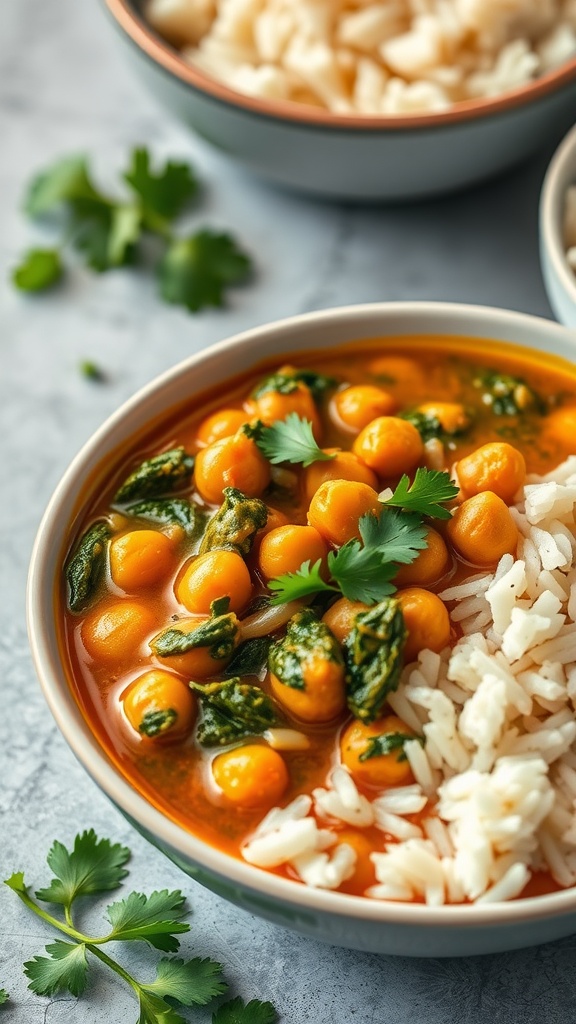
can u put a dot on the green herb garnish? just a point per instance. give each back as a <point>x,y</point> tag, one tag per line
<point>39,269</point>
<point>170,512</point>
<point>360,571</point>
<point>218,633</point>
<point>86,565</point>
<point>235,524</point>
<point>506,395</point>
<point>306,640</point>
<point>95,866</point>
<point>157,476</point>
<point>388,743</point>
<point>286,382</point>
<point>232,710</point>
<point>91,371</point>
<point>425,495</point>
<point>193,270</point>
<point>289,440</point>
<point>4,997</point>
<point>250,658</point>
<point>373,652</point>
<point>427,425</point>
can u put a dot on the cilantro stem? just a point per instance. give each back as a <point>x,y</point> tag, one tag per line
<point>68,929</point>
<point>114,966</point>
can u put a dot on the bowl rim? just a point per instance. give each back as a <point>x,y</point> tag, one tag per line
<point>74,727</point>
<point>551,211</point>
<point>160,52</point>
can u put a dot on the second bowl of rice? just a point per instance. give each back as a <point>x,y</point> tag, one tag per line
<point>362,100</point>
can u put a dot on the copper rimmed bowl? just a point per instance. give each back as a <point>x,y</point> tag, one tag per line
<point>356,158</point>
<point>407,929</point>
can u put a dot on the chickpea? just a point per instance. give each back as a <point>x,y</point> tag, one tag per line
<point>482,529</point>
<point>452,416</point>
<point>337,507</point>
<point>397,370</point>
<point>159,705</point>
<point>114,633</point>
<point>285,549</point>
<point>357,406</point>
<point>561,425</point>
<point>231,462</point>
<point>141,558</point>
<point>220,424</point>
<point>426,619</point>
<point>390,446</point>
<point>213,575</point>
<point>496,467</point>
<point>323,697</point>
<point>382,769</point>
<point>272,406</point>
<point>251,776</point>
<point>197,663</point>
<point>344,466</point>
<point>341,615</point>
<point>364,872</point>
<point>429,566</point>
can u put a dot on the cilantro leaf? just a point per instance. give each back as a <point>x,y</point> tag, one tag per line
<point>192,982</point>
<point>4,997</point>
<point>293,585</point>
<point>66,181</point>
<point>124,231</point>
<point>195,270</point>
<point>165,193</point>
<point>250,657</point>
<point>94,866</point>
<point>236,1011</point>
<point>362,574</point>
<point>153,1009</point>
<point>425,494</point>
<point>155,919</point>
<point>289,440</point>
<point>39,269</point>
<point>398,535</point>
<point>65,969</point>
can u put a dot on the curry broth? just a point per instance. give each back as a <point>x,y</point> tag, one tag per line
<point>176,776</point>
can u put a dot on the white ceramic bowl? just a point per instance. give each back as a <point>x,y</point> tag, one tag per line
<point>356,922</point>
<point>559,278</point>
<point>357,158</point>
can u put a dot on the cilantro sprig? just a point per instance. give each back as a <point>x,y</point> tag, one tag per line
<point>193,271</point>
<point>95,866</point>
<point>425,495</point>
<point>363,570</point>
<point>288,440</point>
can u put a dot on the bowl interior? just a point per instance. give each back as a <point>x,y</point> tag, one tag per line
<point>262,892</point>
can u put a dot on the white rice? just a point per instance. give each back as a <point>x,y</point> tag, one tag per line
<point>370,58</point>
<point>496,777</point>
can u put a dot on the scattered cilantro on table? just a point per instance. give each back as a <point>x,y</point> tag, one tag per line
<point>95,866</point>
<point>193,271</point>
<point>363,570</point>
<point>4,997</point>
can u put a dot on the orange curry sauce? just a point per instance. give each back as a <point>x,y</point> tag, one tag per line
<point>176,776</point>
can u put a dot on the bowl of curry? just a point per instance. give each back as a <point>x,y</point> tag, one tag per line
<point>309,620</point>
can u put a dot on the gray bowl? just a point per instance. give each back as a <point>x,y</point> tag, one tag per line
<point>354,158</point>
<point>355,922</point>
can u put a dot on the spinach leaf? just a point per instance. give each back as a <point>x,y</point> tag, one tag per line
<point>250,657</point>
<point>428,426</point>
<point>373,653</point>
<point>388,743</point>
<point>232,710</point>
<point>235,524</point>
<point>306,640</point>
<point>507,395</point>
<point>286,381</point>
<point>218,634</point>
<point>170,512</point>
<point>156,476</point>
<point>85,568</point>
